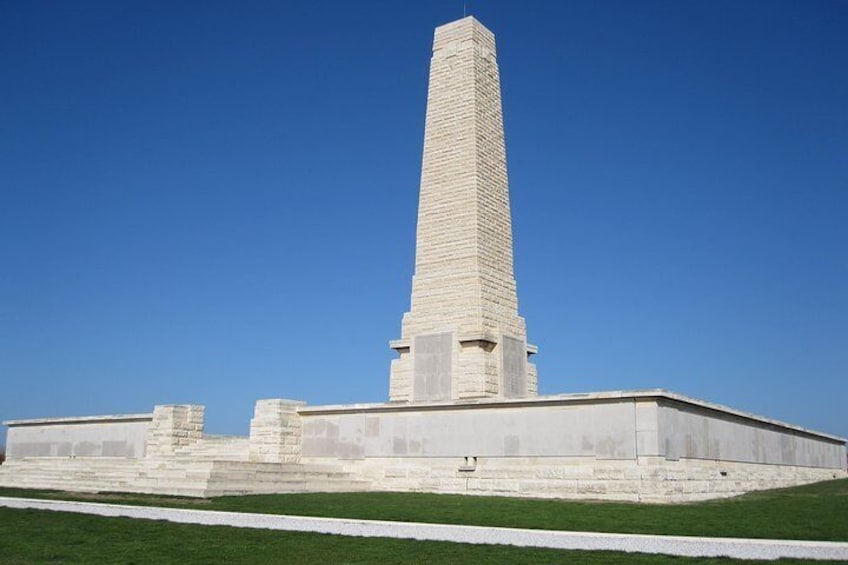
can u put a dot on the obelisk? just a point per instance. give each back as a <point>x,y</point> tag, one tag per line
<point>462,337</point>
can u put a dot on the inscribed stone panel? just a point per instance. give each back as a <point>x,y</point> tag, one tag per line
<point>514,372</point>
<point>432,367</point>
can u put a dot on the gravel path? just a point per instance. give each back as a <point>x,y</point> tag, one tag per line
<point>670,545</point>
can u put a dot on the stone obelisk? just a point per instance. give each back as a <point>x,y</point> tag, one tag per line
<point>463,337</point>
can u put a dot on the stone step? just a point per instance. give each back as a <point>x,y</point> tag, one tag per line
<point>235,489</point>
<point>181,476</point>
<point>269,476</point>
<point>233,448</point>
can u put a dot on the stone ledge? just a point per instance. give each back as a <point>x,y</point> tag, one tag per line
<point>478,336</point>
<point>400,344</point>
<point>81,420</point>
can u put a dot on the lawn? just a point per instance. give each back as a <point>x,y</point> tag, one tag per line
<point>33,536</point>
<point>812,512</point>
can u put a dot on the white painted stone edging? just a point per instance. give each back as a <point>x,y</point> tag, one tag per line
<point>737,548</point>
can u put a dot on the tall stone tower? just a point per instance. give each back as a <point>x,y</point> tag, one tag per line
<point>463,337</point>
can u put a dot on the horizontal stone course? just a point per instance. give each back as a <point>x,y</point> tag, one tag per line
<point>673,482</point>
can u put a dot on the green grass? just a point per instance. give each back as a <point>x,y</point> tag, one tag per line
<point>33,536</point>
<point>812,512</point>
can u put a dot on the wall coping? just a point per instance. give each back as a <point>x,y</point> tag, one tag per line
<point>559,400</point>
<point>80,420</point>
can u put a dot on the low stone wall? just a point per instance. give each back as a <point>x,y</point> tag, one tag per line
<point>171,456</point>
<point>705,432</point>
<point>93,436</point>
<point>603,426</point>
<point>649,446</point>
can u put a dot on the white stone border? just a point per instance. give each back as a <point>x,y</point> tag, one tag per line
<point>590,541</point>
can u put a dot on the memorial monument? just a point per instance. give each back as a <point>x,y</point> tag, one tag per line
<point>463,414</point>
<point>463,337</point>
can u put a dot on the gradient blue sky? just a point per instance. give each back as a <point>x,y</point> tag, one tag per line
<point>215,202</point>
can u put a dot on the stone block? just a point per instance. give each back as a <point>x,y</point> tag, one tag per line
<point>173,427</point>
<point>275,431</point>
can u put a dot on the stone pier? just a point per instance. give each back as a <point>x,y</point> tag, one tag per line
<point>275,431</point>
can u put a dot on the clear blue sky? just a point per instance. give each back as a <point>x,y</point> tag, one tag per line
<point>215,202</point>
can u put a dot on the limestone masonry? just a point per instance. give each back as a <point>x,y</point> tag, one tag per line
<point>463,337</point>
<point>463,414</point>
